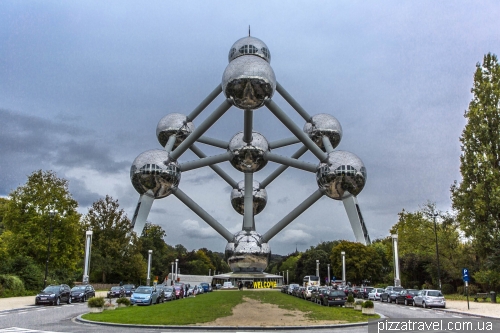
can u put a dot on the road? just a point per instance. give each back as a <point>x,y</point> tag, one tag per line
<point>43,319</point>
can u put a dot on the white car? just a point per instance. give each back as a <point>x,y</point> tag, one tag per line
<point>429,299</point>
<point>375,294</point>
<point>227,285</point>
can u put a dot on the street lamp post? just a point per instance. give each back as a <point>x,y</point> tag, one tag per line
<point>397,281</point>
<point>328,265</point>
<point>209,272</point>
<point>52,214</point>
<point>317,268</point>
<point>148,278</point>
<point>434,215</point>
<point>172,274</point>
<point>287,281</point>
<point>176,266</point>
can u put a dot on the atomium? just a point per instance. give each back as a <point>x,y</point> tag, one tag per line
<point>173,124</point>
<point>154,174</point>
<point>249,83</point>
<point>247,253</point>
<point>259,198</point>
<point>342,176</point>
<point>248,157</point>
<point>322,125</point>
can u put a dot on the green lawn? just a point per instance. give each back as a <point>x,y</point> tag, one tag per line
<point>210,306</point>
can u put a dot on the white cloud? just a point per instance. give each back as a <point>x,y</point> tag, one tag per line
<point>192,228</point>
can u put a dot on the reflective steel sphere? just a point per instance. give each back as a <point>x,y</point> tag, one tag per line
<point>153,172</point>
<point>248,157</point>
<point>246,253</point>
<point>248,82</point>
<point>173,124</point>
<point>324,124</point>
<point>342,176</point>
<point>259,198</point>
<point>249,46</point>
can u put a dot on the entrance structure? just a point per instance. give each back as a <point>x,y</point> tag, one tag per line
<point>249,83</point>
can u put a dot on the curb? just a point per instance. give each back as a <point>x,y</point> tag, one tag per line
<point>228,328</point>
<point>466,313</point>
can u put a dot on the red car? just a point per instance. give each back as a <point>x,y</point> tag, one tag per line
<point>179,292</point>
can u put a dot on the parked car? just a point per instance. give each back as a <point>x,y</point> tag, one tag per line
<point>144,295</point>
<point>297,291</point>
<point>321,295</point>
<point>315,293</point>
<point>199,289</point>
<point>218,286</point>
<point>206,287</point>
<point>227,285</point>
<point>390,293</point>
<point>284,288</point>
<point>363,292</point>
<point>308,292</point>
<point>82,293</point>
<point>54,295</point>
<point>129,289</point>
<point>334,297</point>
<point>179,292</point>
<point>291,287</point>
<point>428,298</point>
<point>405,296</point>
<point>161,295</point>
<point>116,291</point>
<point>169,293</point>
<point>375,293</point>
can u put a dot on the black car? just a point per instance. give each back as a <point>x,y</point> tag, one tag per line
<point>390,294</point>
<point>406,296</point>
<point>129,289</point>
<point>320,295</point>
<point>82,293</point>
<point>363,292</point>
<point>54,295</point>
<point>334,297</point>
<point>116,291</point>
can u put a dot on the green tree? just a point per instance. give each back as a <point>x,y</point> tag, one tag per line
<point>28,225</point>
<point>288,266</point>
<point>477,197</point>
<point>115,254</point>
<point>153,238</point>
<point>306,265</point>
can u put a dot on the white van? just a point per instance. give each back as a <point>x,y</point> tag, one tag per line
<point>228,285</point>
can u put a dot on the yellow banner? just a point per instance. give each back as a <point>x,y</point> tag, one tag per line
<point>265,284</point>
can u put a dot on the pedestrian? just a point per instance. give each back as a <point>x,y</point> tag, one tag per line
<point>185,290</point>
<point>194,290</point>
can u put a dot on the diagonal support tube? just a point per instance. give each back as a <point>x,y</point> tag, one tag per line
<point>292,216</point>
<point>203,214</point>
<point>303,113</point>
<point>275,109</point>
<point>205,103</point>
<point>327,144</point>
<point>207,161</point>
<point>216,168</point>
<point>248,224</point>
<point>292,162</point>
<point>283,142</point>
<point>204,126</point>
<point>170,143</point>
<point>213,142</point>
<point>247,126</point>
<point>282,168</point>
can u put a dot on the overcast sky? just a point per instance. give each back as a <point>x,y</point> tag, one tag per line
<point>83,85</point>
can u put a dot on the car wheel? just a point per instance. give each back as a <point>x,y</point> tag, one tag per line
<point>69,299</point>
<point>423,305</point>
<point>84,298</point>
<point>150,301</point>
<point>36,302</point>
<point>406,302</point>
<point>414,305</point>
<point>58,301</point>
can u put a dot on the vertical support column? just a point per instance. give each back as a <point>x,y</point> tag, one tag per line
<point>317,268</point>
<point>247,126</point>
<point>172,274</point>
<point>397,281</point>
<point>86,268</point>
<point>148,278</point>
<point>344,282</point>
<point>176,269</point>
<point>287,281</point>
<point>328,268</point>
<point>209,272</point>
<point>248,224</point>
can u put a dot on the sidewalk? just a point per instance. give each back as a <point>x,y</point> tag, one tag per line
<point>26,301</point>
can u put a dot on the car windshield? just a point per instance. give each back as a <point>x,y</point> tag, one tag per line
<point>53,289</point>
<point>204,284</point>
<point>78,288</point>
<point>115,288</point>
<point>398,289</point>
<point>169,289</point>
<point>380,290</point>
<point>434,293</point>
<point>143,290</point>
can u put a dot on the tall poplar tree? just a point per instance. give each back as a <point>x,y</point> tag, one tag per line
<point>477,197</point>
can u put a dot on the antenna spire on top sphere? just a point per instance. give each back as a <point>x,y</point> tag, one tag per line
<point>249,30</point>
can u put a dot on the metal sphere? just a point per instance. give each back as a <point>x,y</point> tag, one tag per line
<point>342,176</point>
<point>173,124</point>
<point>248,157</point>
<point>246,252</point>
<point>259,198</point>
<point>153,173</point>
<point>324,125</point>
<point>248,82</point>
<point>249,46</point>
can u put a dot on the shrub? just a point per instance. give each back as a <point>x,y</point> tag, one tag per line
<point>447,289</point>
<point>11,285</point>
<point>473,289</point>
<point>350,299</point>
<point>96,302</point>
<point>368,304</point>
<point>123,300</point>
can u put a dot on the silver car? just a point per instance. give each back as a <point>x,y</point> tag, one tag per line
<point>375,293</point>
<point>429,299</point>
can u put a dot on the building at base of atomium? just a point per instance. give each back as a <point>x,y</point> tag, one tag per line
<point>249,83</point>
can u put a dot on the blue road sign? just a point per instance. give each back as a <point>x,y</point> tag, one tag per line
<point>465,275</point>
